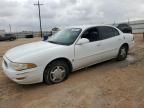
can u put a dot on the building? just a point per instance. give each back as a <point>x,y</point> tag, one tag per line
<point>137,26</point>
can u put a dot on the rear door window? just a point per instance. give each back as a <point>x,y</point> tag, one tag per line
<point>107,32</point>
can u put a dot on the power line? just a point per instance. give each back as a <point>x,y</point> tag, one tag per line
<point>39,5</point>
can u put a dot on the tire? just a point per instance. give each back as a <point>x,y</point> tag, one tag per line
<point>56,72</point>
<point>12,39</point>
<point>123,51</point>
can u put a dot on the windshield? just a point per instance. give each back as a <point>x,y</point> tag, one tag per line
<point>65,37</point>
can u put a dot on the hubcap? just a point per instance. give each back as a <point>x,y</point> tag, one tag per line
<point>57,74</point>
<point>123,52</point>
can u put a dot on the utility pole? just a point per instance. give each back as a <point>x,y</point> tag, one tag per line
<point>10,27</point>
<point>114,23</point>
<point>38,4</point>
<point>128,21</point>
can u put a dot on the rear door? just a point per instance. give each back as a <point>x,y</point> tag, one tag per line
<point>110,41</point>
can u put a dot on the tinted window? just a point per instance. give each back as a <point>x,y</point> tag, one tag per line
<point>91,34</point>
<point>107,32</point>
<point>116,33</point>
<point>8,35</point>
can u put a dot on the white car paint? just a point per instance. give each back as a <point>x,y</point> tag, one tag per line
<point>42,53</point>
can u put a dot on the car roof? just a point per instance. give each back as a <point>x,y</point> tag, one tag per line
<point>88,26</point>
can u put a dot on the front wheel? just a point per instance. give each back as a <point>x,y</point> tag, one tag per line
<point>122,55</point>
<point>56,72</point>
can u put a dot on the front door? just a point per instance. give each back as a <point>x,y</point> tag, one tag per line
<point>88,53</point>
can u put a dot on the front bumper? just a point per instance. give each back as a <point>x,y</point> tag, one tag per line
<point>28,76</point>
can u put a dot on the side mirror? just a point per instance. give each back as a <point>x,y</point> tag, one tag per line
<point>82,41</point>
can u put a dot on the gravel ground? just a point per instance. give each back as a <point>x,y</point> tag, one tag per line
<point>110,84</point>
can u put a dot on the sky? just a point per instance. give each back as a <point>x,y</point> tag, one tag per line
<point>22,15</point>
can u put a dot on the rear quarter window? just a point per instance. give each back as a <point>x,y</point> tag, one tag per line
<point>115,32</point>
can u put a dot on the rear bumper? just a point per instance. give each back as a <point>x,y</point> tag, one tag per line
<point>131,45</point>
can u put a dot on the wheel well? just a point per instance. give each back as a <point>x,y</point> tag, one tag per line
<point>62,59</point>
<point>126,44</point>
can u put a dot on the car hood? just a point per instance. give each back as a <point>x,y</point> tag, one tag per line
<point>28,49</point>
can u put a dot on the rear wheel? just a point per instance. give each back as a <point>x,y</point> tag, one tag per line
<point>122,55</point>
<point>12,39</point>
<point>56,72</point>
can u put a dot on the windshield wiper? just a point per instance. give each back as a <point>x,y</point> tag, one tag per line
<point>56,43</point>
<point>53,42</point>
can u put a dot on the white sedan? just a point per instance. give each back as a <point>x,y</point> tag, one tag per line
<point>71,49</point>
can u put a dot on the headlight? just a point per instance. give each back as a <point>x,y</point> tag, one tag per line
<point>22,66</point>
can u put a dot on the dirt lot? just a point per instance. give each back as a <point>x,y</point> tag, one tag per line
<point>107,85</point>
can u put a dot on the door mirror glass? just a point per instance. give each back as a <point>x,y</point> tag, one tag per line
<point>82,41</point>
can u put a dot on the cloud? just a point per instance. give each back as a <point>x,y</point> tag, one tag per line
<point>8,8</point>
<point>23,15</point>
